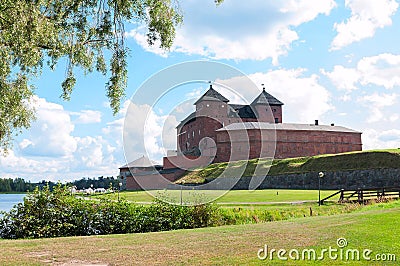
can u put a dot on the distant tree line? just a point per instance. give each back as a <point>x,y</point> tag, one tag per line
<point>99,182</point>
<point>20,185</point>
<point>16,185</point>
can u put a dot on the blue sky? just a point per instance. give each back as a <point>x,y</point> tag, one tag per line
<point>336,61</point>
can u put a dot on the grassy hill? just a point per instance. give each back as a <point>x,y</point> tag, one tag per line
<point>373,159</point>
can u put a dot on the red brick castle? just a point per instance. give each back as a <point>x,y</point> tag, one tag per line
<point>228,125</point>
<point>218,131</point>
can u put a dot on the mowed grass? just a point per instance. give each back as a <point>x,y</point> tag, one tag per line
<point>233,197</point>
<point>375,228</point>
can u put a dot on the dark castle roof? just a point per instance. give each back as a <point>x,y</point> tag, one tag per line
<point>241,110</point>
<point>142,162</point>
<point>212,95</point>
<point>266,98</point>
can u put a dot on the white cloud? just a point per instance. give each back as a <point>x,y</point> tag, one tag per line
<point>140,37</point>
<point>304,98</point>
<point>87,117</point>
<point>343,78</point>
<point>229,31</point>
<point>369,74</point>
<point>147,133</point>
<point>376,103</point>
<point>94,153</point>
<point>366,17</point>
<point>381,139</point>
<point>49,135</point>
<point>49,150</point>
<point>381,70</point>
<point>345,98</point>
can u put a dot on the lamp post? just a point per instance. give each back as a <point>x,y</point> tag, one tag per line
<point>119,188</point>
<point>321,175</point>
<point>183,182</point>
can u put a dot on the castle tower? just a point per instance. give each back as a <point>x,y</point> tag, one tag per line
<point>212,104</point>
<point>211,112</point>
<point>267,108</point>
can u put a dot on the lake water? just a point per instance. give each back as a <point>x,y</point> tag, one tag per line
<point>7,201</point>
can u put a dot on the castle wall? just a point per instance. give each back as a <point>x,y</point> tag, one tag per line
<point>269,114</point>
<point>250,144</point>
<point>185,162</point>
<point>277,113</point>
<point>309,143</point>
<point>152,180</point>
<point>191,133</point>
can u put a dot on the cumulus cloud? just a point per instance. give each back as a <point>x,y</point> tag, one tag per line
<point>49,150</point>
<point>87,117</point>
<point>146,132</point>
<point>381,139</point>
<point>366,17</point>
<point>229,31</point>
<point>381,70</point>
<point>376,103</point>
<point>304,98</point>
<point>343,78</point>
<point>50,134</point>
<point>138,34</point>
<point>94,153</point>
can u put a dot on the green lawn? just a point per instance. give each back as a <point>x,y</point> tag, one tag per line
<point>231,197</point>
<point>375,228</point>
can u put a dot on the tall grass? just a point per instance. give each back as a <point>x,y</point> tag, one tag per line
<point>245,215</point>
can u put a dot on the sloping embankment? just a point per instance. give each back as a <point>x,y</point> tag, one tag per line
<point>374,159</point>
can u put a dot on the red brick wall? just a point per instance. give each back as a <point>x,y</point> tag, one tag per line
<point>185,162</point>
<point>309,143</point>
<point>277,113</point>
<point>289,144</point>
<point>268,113</point>
<point>192,132</point>
<point>152,181</point>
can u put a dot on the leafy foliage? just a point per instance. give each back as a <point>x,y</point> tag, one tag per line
<point>33,33</point>
<point>56,213</point>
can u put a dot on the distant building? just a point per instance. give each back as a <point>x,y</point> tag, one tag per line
<point>143,166</point>
<point>219,132</point>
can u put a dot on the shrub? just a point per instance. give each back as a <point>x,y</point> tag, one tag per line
<point>56,213</point>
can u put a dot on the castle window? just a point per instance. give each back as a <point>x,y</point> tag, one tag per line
<point>274,110</point>
<point>199,131</point>
<point>276,120</point>
<point>193,133</point>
